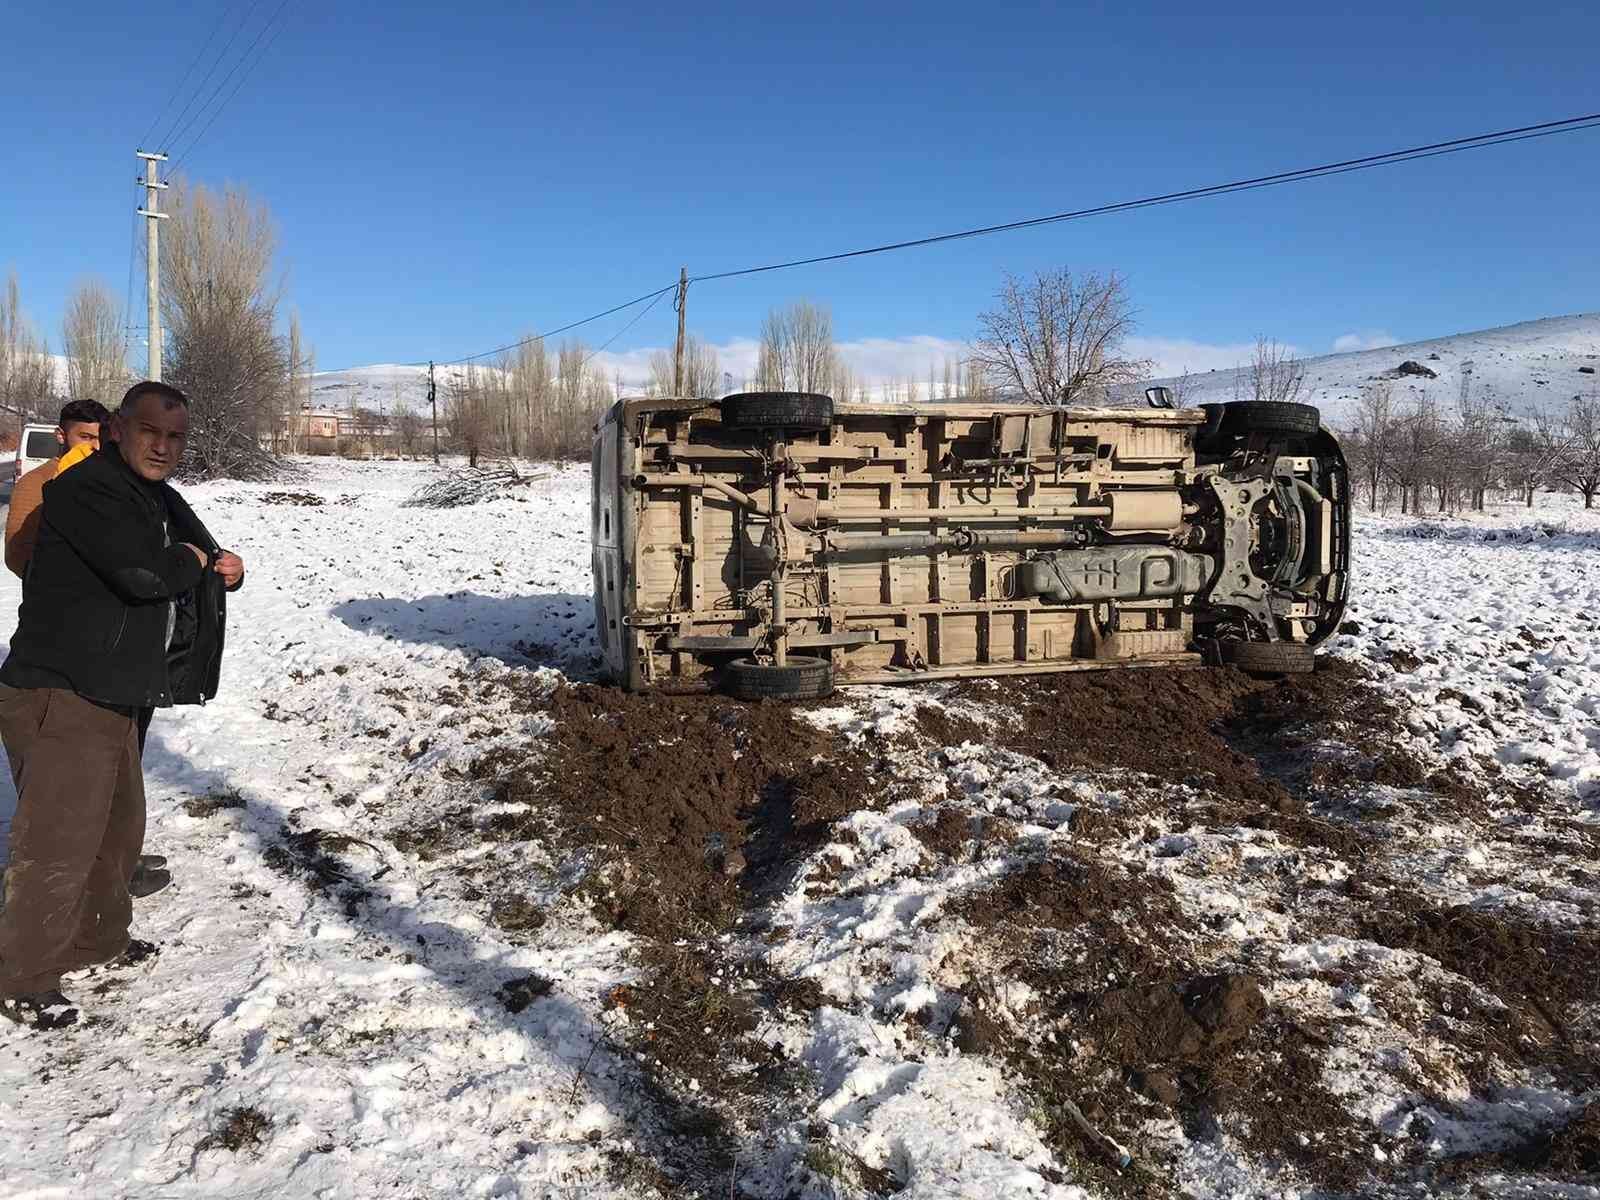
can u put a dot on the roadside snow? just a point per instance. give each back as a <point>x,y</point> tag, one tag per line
<point>365,671</point>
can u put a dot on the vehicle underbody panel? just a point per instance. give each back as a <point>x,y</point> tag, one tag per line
<point>910,542</point>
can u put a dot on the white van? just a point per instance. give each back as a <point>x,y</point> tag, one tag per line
<point>37,445</point>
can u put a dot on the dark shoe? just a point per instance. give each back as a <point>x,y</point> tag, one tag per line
<point>138,950</point>
<point>42,1011</point>
<point>148,883</point>
<point>149,862</point>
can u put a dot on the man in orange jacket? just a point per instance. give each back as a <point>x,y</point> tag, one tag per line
<point>79,426</point>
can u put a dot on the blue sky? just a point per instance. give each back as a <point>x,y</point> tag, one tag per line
<point>447,178</point>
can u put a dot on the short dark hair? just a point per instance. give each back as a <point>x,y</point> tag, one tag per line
<point>171,397</point>
<point>83,412</point>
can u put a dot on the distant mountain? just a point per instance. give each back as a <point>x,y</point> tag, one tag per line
<point>1528,365</point>
<point>377,387</point>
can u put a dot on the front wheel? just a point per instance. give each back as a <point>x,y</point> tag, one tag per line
<point>1269,658</point>
<point>800,678</point>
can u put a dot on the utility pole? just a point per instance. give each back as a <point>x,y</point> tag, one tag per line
<point>152,267</point>
<point>433,401</point>
<point>680,304</point>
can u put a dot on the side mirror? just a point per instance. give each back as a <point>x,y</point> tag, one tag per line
<point>1159,397</point>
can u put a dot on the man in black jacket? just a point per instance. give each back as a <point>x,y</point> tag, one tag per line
<point>123,611</point>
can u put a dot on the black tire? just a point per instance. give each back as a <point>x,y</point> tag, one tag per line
<point>777,410</point>
<point>1269,658</point>
<point>798,679</point>
<point>1243,417</point>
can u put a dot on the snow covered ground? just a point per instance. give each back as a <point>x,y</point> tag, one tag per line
<point>374,981</point>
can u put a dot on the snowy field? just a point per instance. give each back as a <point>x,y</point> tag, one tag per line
<point>443,923</point>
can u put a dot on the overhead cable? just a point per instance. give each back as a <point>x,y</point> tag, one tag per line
<point>1367,162</point>
<point>217,111</point>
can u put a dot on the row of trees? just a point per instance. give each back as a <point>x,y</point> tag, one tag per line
<point>1414,452</point>
<point>1059,338</point>
<point>93,344</point>
<point>527,402</point>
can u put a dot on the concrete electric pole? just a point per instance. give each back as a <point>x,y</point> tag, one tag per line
<point>433,402</point>
<point>677,356</point>
<point>152,270</point>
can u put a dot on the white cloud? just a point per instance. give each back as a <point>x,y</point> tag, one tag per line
<point>877,361</point>
<point>873,360</point>
<point>1374,340</point>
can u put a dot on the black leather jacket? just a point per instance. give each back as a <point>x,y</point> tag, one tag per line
<point>106,571</point>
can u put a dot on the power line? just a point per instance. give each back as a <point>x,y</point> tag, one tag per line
<point>216,112</point>
<point>1365,162</point>
<point>127,302</point>
<point>653,297</point>
<point>639,316</point>
<point>172,132</point>
<point>1454,146</point>
<point>564,328</point>
<point>222,12</point>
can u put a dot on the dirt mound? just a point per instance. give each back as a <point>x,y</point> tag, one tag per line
<point>1068,924</point>
<point>676,791</point>
<point>681,810</point>
<point>1167,1025</point>
<point>1163,722</point>
<point>1574,1150</point>
<point>1505,954</point>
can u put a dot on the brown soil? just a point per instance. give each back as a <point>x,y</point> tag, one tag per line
<point>949,831</point>
<point>1506,955</point>
<point>685,810</point>
<point>517,914</point>
<point>1069,923</point>
<point>1162,722</point>
<point>681,816</point>
<point>241,1129</point>
<point>1167,1025</point>
<point>675,791</point>
<point>1574,1150</point>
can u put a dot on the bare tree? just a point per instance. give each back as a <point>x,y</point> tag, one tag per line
<point>528,383</point>
<point>1417,437</point>
<point>1372,438</point>
<point>91,337</point>
<point>407,425</point>
<point>702,372</point>
<point>296,396</point>
<point>797,352</point>
<point>1275,373</point>
<point>1183,390</point>
<point>1058,338</point>
<point>976,384</point>
<point>467,412</point>
<point>27,377</point>
<point>221,308</point>
<point>1482,440</point>
<point>1537,450</point>
<point>1579,463</point>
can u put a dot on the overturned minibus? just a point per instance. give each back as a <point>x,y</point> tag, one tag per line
<point>773,544</point>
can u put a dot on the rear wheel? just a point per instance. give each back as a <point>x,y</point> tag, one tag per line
<point>777,410</point>
<point>1269,658</point>
<point>1243,417</point>
<point>800,678</point>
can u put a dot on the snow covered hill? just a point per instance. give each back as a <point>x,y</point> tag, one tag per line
<point>1527,365</point>
<point>379,387</point>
